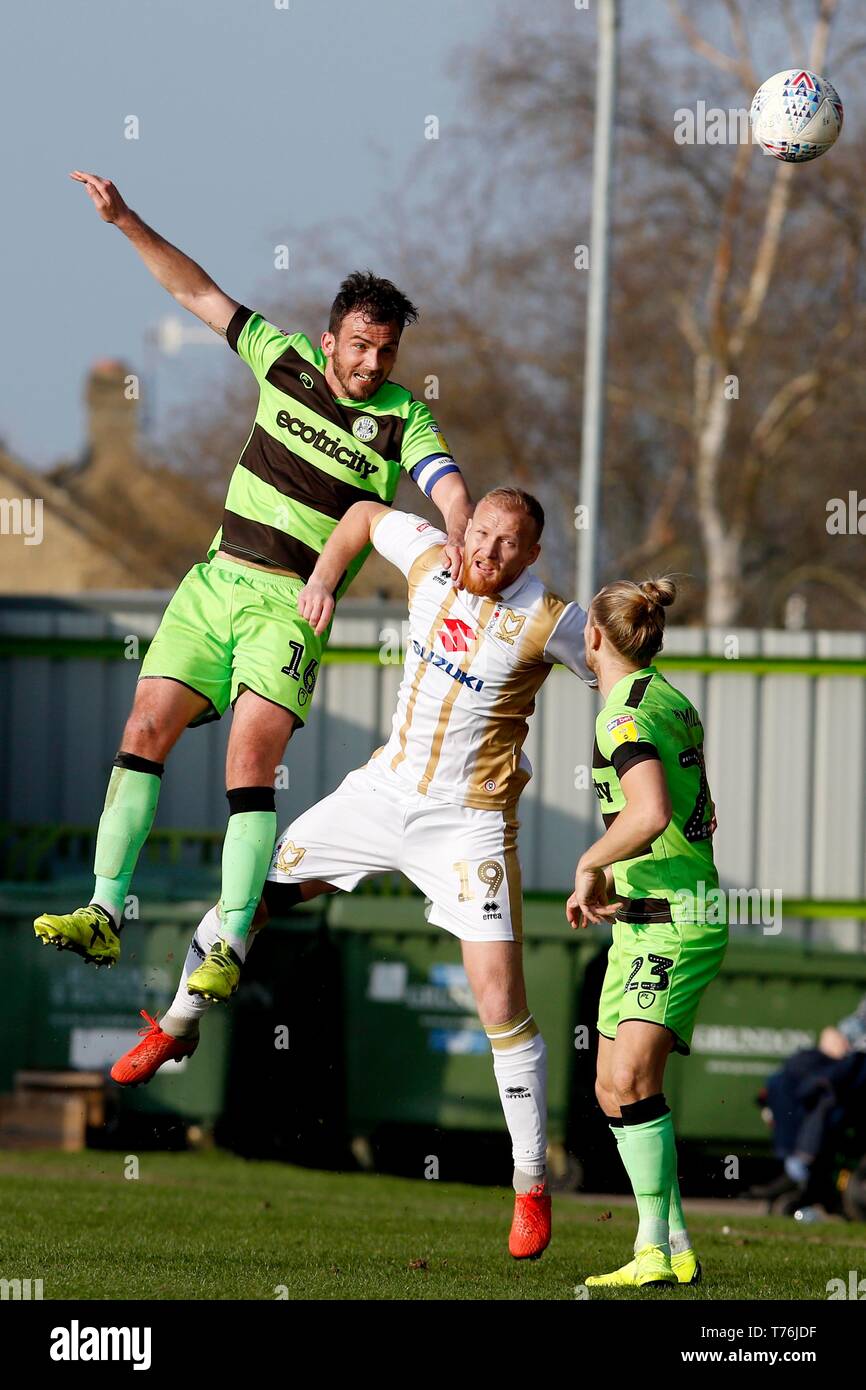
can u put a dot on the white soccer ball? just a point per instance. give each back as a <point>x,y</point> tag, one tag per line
<point>796,115</point>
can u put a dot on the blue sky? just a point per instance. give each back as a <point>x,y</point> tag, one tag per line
<point>255,124</point>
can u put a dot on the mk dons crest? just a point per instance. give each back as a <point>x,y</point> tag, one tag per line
<point>510,626</point>
<point>289,856</point>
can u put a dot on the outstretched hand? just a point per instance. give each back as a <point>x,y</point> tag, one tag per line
<point>103,195</point>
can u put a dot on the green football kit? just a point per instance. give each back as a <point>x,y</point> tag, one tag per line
<point>308,458</point>
<point>666,948</point>
<point>232,625</point>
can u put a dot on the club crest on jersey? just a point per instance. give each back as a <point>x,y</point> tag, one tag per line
<point>365,428</point>
<point>306,380</point>
<point>455,635</point>
<point>510,627</point>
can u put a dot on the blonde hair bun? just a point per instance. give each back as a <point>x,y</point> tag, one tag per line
<point>661,592</point>
<point>632,616</point>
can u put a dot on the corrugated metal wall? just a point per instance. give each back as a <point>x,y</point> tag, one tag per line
<point>786,753</point>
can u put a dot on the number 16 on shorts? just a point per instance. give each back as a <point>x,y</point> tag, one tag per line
<point>307,681</point>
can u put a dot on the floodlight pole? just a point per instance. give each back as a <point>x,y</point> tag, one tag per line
<point>596,313</point>
<point>166,339</point>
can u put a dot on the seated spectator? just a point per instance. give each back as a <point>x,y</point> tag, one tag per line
<point>815,1096</point>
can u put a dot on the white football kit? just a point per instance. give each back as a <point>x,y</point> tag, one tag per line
<point>439,801</point>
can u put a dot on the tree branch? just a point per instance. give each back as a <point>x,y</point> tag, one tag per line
<point>777,207</point>
<point>741,43</point>
<point>793,28</point>
<point>618,395</point>
<point>820,574</point>
<point>724,61</point>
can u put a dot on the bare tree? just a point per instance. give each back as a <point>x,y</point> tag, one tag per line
<point>705,287</point>
<point>720,339</point>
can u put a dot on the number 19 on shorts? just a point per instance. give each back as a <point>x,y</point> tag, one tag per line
<point>490,873</point>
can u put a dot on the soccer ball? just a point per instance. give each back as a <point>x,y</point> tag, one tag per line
<point>796,115</point>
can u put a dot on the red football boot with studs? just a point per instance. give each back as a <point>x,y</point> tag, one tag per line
<point>143,1061</point>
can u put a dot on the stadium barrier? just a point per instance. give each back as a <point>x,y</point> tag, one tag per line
<point>354,1036</point>
<point>792,815</point>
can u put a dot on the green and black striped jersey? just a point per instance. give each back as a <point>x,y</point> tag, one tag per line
<point>646,717</point>
<point>310,455</point>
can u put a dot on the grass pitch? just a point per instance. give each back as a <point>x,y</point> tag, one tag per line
<point>213,1226</point>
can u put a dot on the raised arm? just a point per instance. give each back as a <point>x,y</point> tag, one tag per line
<point>451,496</point>
<point>183,277</point>
<point>351,534</point>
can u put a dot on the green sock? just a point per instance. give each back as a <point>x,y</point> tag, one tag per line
<point>130,805</point>
<point>618,1132</point>
<point>649,1154</point>
<point>679,1236</point>
<point>247,851</point>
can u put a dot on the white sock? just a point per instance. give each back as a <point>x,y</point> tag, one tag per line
<point>680,1241</point>
<point>187,1010</point>
<point>521,1075</point>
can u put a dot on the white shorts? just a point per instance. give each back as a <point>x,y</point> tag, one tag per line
<point>464,860</point>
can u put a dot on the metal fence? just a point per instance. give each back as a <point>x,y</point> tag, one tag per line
<point>784,714</point>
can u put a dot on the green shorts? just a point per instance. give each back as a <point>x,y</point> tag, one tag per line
<point>231,628</point>
<point>657,972</point>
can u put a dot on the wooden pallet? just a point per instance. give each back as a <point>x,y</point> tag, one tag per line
<point>52,1110</point>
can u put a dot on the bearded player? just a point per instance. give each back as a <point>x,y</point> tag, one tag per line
<point>439,801</point>
<point>330,428</point>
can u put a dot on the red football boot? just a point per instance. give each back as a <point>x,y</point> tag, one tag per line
<point>143,1061</point>
<point>530,1229</point>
